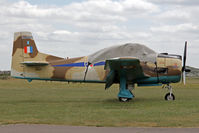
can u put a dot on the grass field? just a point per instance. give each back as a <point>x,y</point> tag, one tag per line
<point>41,102</point>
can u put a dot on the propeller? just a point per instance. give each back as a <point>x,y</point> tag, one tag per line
<point>184,64</point>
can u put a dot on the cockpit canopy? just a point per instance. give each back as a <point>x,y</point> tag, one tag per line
<point>134,50</point>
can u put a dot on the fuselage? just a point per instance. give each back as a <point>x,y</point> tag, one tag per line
<point>167,69</point>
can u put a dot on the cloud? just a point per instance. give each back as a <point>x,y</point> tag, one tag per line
<point>176,28</point>
<point>176,2</point>
<point>80,28</point>
<point>100,10</point>
<point>175,14</point>
<point>139,5</point>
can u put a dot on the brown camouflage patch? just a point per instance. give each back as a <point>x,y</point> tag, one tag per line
<point>51,58</point>
<point>17,44</point>
<point>148,71</point>
<point>60,72</point>
<point>173,71</point>
<point>21,43</point>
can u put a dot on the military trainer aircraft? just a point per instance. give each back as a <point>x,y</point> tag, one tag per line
<point>127,64</point>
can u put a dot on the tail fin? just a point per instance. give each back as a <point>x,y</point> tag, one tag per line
<point>23,48</point>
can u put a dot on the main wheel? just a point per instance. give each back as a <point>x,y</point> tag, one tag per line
<point>169,97</point>
<point>124,99</point>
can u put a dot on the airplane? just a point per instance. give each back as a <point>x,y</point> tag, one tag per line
<point>126,65</point>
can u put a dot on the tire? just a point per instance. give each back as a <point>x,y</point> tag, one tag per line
<point>124,99</point>
<point>168,97</point>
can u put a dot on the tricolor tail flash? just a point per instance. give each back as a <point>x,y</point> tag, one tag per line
<point>28,49</point>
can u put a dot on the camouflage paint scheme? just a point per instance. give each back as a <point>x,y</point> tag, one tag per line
<point>42,66</point>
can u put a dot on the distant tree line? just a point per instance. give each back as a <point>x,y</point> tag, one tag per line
<point>4,74</point>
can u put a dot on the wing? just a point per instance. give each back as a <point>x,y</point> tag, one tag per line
<point>129,66</point>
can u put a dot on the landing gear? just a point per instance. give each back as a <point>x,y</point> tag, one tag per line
<point>124,99</point>
<point>169,96</point>
<point>125,93</point>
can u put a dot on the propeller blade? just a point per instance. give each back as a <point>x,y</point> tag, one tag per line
<point>184,64</point>
<point>184,57</point>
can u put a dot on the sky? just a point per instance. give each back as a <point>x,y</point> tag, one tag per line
<point>73,28</point>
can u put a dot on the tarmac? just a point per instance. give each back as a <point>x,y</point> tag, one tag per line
<point>42,128</point>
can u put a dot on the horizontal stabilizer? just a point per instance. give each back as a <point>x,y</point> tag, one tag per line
<point>35,63</point>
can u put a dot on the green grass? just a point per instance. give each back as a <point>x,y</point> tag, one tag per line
<point>41,102</point>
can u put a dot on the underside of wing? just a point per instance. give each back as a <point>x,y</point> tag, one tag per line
<point>128,67</point>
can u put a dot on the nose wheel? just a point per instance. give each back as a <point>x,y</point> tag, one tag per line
<point>169,96</point>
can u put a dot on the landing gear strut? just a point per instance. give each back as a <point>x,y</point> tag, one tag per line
<point>125,93</point>
<point>129,88</point>
<point>169,96</point>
